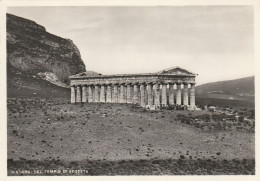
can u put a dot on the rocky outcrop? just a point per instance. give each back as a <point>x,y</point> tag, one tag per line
<point>32,50</point>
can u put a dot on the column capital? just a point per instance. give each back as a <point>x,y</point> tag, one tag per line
<point>163,83</point>
<point>136,83</point>
<point>149,83</point>
<point>155,83</point>
<point>185,85</point>
<point>179,82</point>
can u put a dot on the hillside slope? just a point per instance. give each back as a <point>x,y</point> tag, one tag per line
<point>37,59</point>
<point>238,89</point>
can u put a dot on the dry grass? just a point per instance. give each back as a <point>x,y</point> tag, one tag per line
<point>42,130</point>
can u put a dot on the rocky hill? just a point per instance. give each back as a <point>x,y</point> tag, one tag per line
<point>37,57</point>
<point>238,89</point>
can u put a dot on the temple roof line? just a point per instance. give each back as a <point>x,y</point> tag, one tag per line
<point>173,71</point>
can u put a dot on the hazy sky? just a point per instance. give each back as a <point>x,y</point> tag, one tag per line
<point>217,42</point>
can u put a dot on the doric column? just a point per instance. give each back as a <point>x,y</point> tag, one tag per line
<point>171,94</point>
<point>149,94</point>
<point>78,99</point>
<point>135,92</point>
<point>192,95</point>
<point>185,95</point>
<point>122,94</point>
<point>96,93</point>
<point>129,93</point>
<point>102,94</point>
<point>125,96</point>
<point>72,94</point>
<point>84,93</point>
<point>142,91</point>
<point>90,93</point>
<point>178,94</point>
<point>156,88</point>
<point>164,94</point>
<point>109,94</point>
<point>115,94</point>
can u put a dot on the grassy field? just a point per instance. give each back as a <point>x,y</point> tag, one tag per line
<point>111,139</point>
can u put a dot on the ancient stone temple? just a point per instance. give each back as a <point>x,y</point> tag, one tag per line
<point>173,86</point>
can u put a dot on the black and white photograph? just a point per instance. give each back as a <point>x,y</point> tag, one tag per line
<point>134,90</point>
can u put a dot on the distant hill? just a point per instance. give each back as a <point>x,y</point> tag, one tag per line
<point>239,89</point>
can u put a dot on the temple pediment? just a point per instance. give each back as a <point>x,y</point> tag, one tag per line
<point>176,71</point>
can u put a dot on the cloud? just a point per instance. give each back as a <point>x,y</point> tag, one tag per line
<point>215,41</point>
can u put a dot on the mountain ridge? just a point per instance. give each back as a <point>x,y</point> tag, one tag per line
<point>37,58</point>
<point>236,89</point>
<point>31,49</point>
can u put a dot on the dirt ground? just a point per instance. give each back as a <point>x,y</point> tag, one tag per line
<point>44,130</point>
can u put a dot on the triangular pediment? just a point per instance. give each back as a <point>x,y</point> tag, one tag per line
<point>177,71</point>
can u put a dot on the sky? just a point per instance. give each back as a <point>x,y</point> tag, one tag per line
<point>216,42</point>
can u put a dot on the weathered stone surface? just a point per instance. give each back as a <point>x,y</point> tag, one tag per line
<point>122,94</point>
<point>156,94</point>
<point>178,94</point>
<point>171,95</point>
<point>129,93</point>
<point>115,94</point>
<point>78,99</point>
<point>102,94</point>
<point>164,94</point>
<point>135,92</point>
<point>185,95</point>
<point>108,94</point>
<point>73,94</point>
<point>125,94</point>
<point>142,90</point>
<point>84,94</point>
<point>149,94</point>
<point>90,94</point>
<point>96,93</point>
<point>192,95</point>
